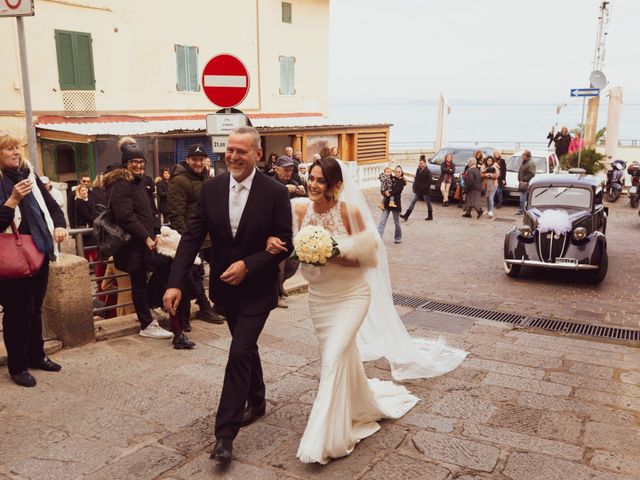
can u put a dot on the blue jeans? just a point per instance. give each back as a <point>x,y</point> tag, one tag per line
<point>427,199</point>
<point>523,201</point>
<point>490,201</point>
<point>397,237</point>
<point>497,196</point>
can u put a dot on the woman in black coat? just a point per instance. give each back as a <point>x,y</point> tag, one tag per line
<point>396,192</point>
<point>85,214</point>
<point>26,202</point>
<point>127,195</point>
<point>421,189</point>
<point>162,190</point>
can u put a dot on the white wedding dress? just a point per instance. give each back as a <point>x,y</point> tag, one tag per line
<point>348,404</point>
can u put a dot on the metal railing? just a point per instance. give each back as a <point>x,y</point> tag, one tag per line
<point>77,233</point>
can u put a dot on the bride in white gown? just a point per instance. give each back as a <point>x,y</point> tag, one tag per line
<point>348,405</point>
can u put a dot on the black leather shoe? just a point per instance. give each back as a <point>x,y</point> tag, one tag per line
<point>186,325</point>
<point>24,379</point>
<point>222,452</point>
<point>209,315</point>
<point>252,413</point>
<point>182,343</point>
<point>46,364</point>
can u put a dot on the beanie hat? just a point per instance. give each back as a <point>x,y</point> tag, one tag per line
<point>130,150</point>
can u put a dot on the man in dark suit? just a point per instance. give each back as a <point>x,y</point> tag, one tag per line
<point>239,210</point>
<point>421,189</point>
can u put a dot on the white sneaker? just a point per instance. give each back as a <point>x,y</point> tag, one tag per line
<point>490,214</point>
<point>154,330</point>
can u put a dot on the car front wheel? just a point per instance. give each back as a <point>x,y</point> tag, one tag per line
<point>512,270</point>
<point>598,275</point>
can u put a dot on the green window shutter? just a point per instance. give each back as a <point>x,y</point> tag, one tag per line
<point>283,75</point>
<point>291,78</point>
<point>84,66</point>
<point>181,68</point>
<point>66,66</point>
<point>287,84</point>
<point>286,12</point>
<point>192,64</point>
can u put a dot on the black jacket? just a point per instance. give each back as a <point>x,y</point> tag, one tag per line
<point>395,194</point>
<point>473,180</point>
<point>129,203</point>
<point>267,213</point>
<point>162,189</point>
<point>502,164</point>
<point>150,189</point>
<point>561,142</point>
<point>423,181</point>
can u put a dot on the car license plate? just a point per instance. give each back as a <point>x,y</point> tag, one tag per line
<point>572,261</point>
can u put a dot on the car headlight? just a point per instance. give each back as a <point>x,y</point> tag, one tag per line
<point>580,233</point>
<point>525,231</point>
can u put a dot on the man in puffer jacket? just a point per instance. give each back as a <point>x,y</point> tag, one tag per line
<point>184,193</point>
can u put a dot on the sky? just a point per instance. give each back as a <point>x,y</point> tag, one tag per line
<point>479,50</point>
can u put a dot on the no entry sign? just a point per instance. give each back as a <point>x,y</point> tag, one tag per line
<point>225,81</point>
<point>16,8</point>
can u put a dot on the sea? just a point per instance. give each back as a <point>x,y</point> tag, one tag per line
<point>495,124</point>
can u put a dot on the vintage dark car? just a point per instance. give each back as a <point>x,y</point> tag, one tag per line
<point>564,227</point>
<point>460,157</point>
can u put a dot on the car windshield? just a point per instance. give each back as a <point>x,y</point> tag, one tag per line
<point>551,196</point>
<point>460,156</point>
<point>514,163</point>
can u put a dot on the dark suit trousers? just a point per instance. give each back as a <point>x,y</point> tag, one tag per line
<point>22,321</point>
<point>243,381</point>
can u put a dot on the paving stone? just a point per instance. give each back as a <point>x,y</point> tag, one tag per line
<point>597,360</point>
<point>203,468</point>
<point>573,345</point>
<point>527,385</point>
<point>457,451</point>
<point>193,438</point>
<point>579,407</point>
<point>291,386</point>
<point>21,436</point>
<point>560,426</point>
<point>508,354</point>
<point>431,422</point>
<point>606,386</point>
<point>520,441</point>
<point>616,462</point>
<point>148,463</point>
<point>293,416</point>
<point>256,441</point>
<point>533,466</point>
<point>464,406</point>
<point>386,439</point>
<point>68,459</point>
<point>518,418</point>
<point>283,359</point>
<point>396,466</point>
<point>308,397</point>
<point>592,371</point>
<point>630,377</point>
<point>613,400</point>
<point>613,438</point>
<point>505,368</point>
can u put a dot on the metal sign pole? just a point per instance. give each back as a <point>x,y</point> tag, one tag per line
<point>26,91</point>
<point>582,132</point>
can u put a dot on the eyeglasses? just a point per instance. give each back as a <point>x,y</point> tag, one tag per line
<point>137,162</point>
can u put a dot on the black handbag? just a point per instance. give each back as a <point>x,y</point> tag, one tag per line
<point>522,186</point>
<point>109,235</point>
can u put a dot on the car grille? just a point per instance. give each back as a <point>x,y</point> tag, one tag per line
<point>551,246</point>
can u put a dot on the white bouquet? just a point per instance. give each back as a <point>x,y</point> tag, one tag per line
<point>314,245</point>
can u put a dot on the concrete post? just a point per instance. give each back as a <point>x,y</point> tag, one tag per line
<point>68,306</point>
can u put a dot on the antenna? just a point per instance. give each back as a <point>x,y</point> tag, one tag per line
<point>603,22</point>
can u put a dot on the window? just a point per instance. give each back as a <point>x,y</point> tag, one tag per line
<point>75,60</point>
<point>286,12</point>
<point>187,68</point>
<point>287,77</point>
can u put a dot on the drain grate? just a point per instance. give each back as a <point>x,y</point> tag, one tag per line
<point>473,312</point>
<point>597,331</point>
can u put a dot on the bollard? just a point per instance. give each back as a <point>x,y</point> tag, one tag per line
<point>68,307</point>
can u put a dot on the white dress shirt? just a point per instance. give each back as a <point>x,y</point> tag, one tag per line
<point>238,195</point>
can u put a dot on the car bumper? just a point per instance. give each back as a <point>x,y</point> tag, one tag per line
<point>556,266</point>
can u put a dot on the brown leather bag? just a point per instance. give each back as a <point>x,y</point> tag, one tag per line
<point>19,256</point>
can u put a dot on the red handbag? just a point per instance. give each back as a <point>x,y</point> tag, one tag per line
<point>19,256</point>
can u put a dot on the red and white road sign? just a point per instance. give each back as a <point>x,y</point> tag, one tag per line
<point>225,81</point>
<point>16,8</point>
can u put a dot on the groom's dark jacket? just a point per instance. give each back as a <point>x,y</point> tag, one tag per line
<point>267,213</point>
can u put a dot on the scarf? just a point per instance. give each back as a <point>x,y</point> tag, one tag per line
<point>30,209</point>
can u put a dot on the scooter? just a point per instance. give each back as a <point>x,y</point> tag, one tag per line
<point>615,180</point>
<point>634,194</point>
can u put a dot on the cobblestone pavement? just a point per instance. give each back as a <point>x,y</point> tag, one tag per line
<point>522,406</point>
<point>459,260</point>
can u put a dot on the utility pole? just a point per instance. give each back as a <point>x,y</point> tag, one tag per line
<point>591,127</point>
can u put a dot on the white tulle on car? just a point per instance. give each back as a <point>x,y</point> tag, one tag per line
<point>557,221</point>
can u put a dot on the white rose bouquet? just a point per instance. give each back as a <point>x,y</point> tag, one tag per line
<point>314,245</point>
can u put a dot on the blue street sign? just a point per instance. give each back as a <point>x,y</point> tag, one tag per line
<point>585,92</point>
